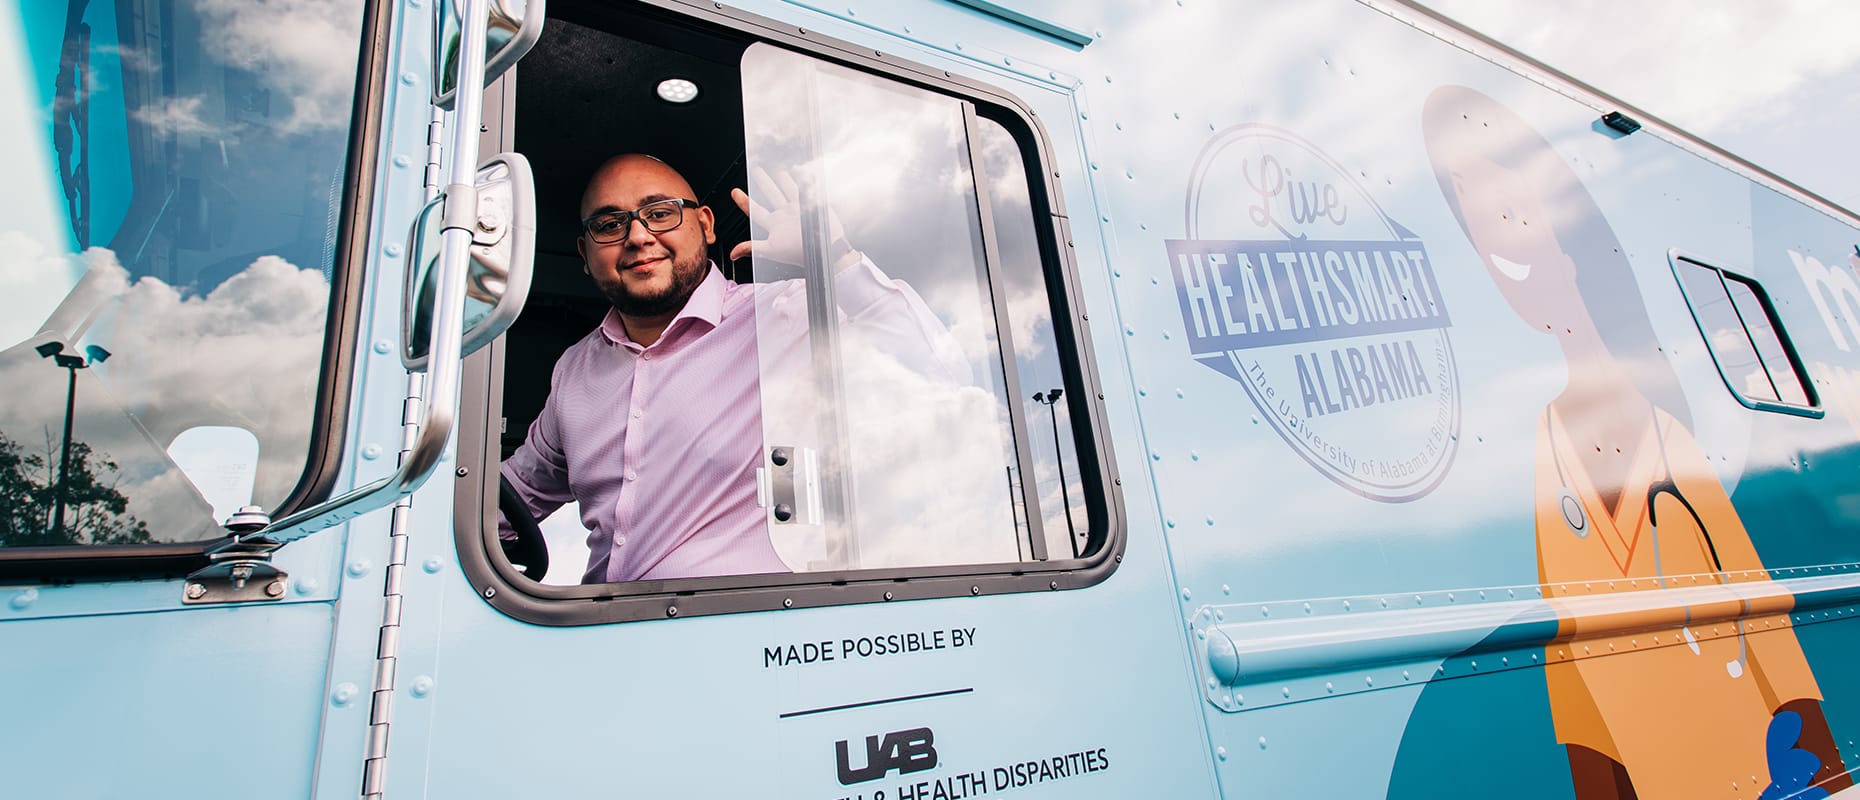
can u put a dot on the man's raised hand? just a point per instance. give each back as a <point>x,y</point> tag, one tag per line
<point>777,210</point>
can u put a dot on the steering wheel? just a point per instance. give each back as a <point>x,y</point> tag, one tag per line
<point>529,551</point>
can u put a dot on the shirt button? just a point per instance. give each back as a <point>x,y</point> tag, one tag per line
<point>638,413</point>
<point>631,475</point>
<point>619,540</point>
<point>646,355</point>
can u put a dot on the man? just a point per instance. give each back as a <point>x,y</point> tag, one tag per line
<point>654,421</point>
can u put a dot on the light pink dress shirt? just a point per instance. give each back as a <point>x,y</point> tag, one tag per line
<point>660,444</point>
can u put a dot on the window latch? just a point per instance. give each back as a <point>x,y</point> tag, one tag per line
<point>788,485</point>
<point>240,568</point>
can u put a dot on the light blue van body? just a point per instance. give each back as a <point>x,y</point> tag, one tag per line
<point>1331,577</point>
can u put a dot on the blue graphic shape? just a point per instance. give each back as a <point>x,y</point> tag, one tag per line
<point>1450,749</point>
<point>1791,769</point>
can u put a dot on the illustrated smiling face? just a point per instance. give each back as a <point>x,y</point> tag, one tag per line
<point>1520,205</point>
<point>1509,223</point>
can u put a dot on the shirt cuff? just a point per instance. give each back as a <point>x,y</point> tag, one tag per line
<point>861,286</point>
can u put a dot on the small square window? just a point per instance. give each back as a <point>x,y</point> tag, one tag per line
<point>1746,339</point>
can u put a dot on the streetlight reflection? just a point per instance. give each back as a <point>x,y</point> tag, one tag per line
<point>1048,399</point>
<point>71,363</point>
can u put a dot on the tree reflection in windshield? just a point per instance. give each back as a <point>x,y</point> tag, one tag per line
<point>95,512</point>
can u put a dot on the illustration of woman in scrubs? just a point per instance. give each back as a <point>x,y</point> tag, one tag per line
<point>1626,501</point>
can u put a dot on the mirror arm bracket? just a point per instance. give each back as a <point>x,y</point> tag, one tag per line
<point>461,208</point>
<point>239,568</point>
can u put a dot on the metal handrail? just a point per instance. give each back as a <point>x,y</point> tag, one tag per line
<point>446,334</point>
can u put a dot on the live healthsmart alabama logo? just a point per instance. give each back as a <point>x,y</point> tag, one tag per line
<point>1293,282</point>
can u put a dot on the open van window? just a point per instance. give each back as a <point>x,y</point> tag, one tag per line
<point>880,399</point>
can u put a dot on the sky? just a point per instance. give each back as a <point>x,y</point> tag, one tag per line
<point>1776,82</point>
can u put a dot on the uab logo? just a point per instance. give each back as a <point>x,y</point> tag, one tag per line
<point>904,751</point>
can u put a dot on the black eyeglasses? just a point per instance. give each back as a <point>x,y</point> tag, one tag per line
<point>658,217</point>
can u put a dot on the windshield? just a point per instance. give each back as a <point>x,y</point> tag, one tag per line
<point>165,256</point>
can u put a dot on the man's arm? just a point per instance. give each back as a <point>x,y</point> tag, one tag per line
<point>889,314</point>
<point>538,470</point>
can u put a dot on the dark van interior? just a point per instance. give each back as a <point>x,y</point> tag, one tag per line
<point>584,95</point>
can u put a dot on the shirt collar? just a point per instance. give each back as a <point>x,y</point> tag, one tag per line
<point>705,304</point>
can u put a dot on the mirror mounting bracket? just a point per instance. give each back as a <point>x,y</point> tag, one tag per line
<point>239,568</point>
<point>461,209</point>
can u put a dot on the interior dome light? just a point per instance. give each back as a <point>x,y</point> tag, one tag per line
<point>677,90</point>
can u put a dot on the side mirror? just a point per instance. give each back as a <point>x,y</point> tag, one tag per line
<point>514,26</point>
<point>502,217</point>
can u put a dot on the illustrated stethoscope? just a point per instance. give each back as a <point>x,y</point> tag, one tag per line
<point>1576,517</point>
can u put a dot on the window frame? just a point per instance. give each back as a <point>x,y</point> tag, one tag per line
<point>341,331</point>
<point>475,499</point>
<point>1680,260</point>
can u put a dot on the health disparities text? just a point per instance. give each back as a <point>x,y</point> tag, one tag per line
<point>1008,777</point>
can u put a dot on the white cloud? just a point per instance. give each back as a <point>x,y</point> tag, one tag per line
<point>568,545</point>
<point>928,448</point>
<point>246,354</point>
<point>133,59</point>
<point>1704,66</point>
<point>1775,82</point>
<point>303,50</point>
<point>32,281</point>
<point>178,116</point>
<point>1031,314</point>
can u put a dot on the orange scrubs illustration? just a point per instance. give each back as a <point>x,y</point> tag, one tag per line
<point>1723,704</point>
<point>1671,518</point>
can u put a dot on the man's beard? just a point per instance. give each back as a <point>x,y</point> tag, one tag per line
<point>686,275</point>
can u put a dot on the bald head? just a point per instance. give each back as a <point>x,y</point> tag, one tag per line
<point>631,176</point>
